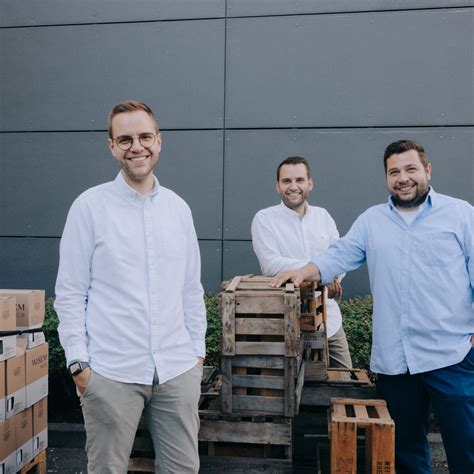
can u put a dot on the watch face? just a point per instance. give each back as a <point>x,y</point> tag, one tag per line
<point>75,368</point>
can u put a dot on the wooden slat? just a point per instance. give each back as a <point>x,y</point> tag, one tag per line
<point>320,395</point>
<point>226,367</point>
<point>362,376</point>
<point>315,371</point>
<point>289,288</point>
<point>232,286</point>
<point>246,432</point>
<point>265,304</point>
<point>299,386</point>
<point>334,375</point>
<point>247,403</point>
<point>361,412</point>
<point>258,381</point>
<point>259,326</point>
<point>229,465</point>
<point>141,465</point>
<point>383,413</point>
<point>227,302</point>
<point>343,448</point>
<point>258,347</point>
<point>259,361</point>
<point>380,448</point>
<point>290,376</point>
<point>292,339</point>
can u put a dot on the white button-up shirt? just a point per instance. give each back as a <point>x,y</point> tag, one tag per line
<point>128,292</point>
<point>283,241</point>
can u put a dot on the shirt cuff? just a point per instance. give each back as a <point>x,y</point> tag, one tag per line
<point>323,272</point>
<point>76,353</point>
<point>199,347</point>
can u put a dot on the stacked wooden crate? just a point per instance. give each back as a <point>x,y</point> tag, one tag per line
<point>262,366</point>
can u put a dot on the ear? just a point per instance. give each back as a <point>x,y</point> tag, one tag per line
<point>311,183</point>
<point>111,145</point>
<point>428,170</point>
<point>158,142</point>
<point>277,187</point>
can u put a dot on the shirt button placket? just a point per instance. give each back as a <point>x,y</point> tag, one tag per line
<point>152,276</point>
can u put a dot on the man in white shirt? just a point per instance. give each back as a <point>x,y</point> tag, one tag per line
<point>133,336</point>
<point>286,236</point>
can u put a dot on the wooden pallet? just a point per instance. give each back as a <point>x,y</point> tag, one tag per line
<point>341,383</point>
<point>245,443</point>
<point>36,465</point>
<point>349,415</point>
<point>261,347</point>
<point>349,377</point>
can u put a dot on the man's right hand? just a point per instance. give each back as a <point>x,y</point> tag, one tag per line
<point>81,380</point>
<point>309,272</point>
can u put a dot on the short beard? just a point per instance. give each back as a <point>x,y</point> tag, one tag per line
<point>415,202</point>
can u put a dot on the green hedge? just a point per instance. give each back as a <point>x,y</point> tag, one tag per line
<point>357,321</point>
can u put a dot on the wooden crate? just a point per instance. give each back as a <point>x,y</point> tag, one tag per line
<point>262,369</point>
<point>37,465</point>
<point>312,307</point>
<point>245,443</point>
<point>349,415</point>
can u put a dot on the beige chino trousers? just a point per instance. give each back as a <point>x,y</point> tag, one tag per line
<point>112,411</point>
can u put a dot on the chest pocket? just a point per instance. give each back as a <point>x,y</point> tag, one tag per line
<point>440,249</point>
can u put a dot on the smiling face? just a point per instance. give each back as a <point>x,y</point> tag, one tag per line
<point>138,162</point>
<point>294,185</point>
<point>407,179</point>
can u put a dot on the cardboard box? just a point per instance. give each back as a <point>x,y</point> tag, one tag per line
<point>7,347</point>
<point>24,437</point>
<point>36,361</point>
<point>29,307</point>
<point>7,324</point>
<point>7,447</point>
<point>40,426</point>
<point>33,339</point>
<point>15,383</point>
<point>2,391</point>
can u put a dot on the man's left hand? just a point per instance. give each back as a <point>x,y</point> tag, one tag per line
<point>201,360</point>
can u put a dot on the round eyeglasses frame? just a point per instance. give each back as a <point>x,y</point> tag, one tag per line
<point>125,142</point>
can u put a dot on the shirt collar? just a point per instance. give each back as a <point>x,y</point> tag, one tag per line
<point>290,212</point>
<point>131,193</point>
<point>430,201</point>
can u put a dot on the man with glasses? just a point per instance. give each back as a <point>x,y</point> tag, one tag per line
<point>131,307</point>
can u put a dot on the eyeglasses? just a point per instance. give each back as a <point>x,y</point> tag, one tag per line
<point>125,142</point>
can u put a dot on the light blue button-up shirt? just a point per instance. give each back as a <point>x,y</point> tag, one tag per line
<point>421,279</point>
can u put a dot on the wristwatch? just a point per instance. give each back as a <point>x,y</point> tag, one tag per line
<point>77,367</point>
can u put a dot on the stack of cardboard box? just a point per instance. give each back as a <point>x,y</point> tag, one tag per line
<point>23,378</point>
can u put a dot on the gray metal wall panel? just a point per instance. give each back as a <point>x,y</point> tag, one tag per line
<point>54,12</point>
<point>239,259</point>
<point>291,7</point>
<point>211,264</point>
<point>369,69</point>
<point>29,263</point>
<point>51,169</point>
<point>347,168</point>
<point>33,263</point>
<point>69,77</point>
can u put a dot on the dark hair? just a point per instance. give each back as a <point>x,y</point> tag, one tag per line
<point>401,146</point>
<point>294,160</point>
<point>129,106</point>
